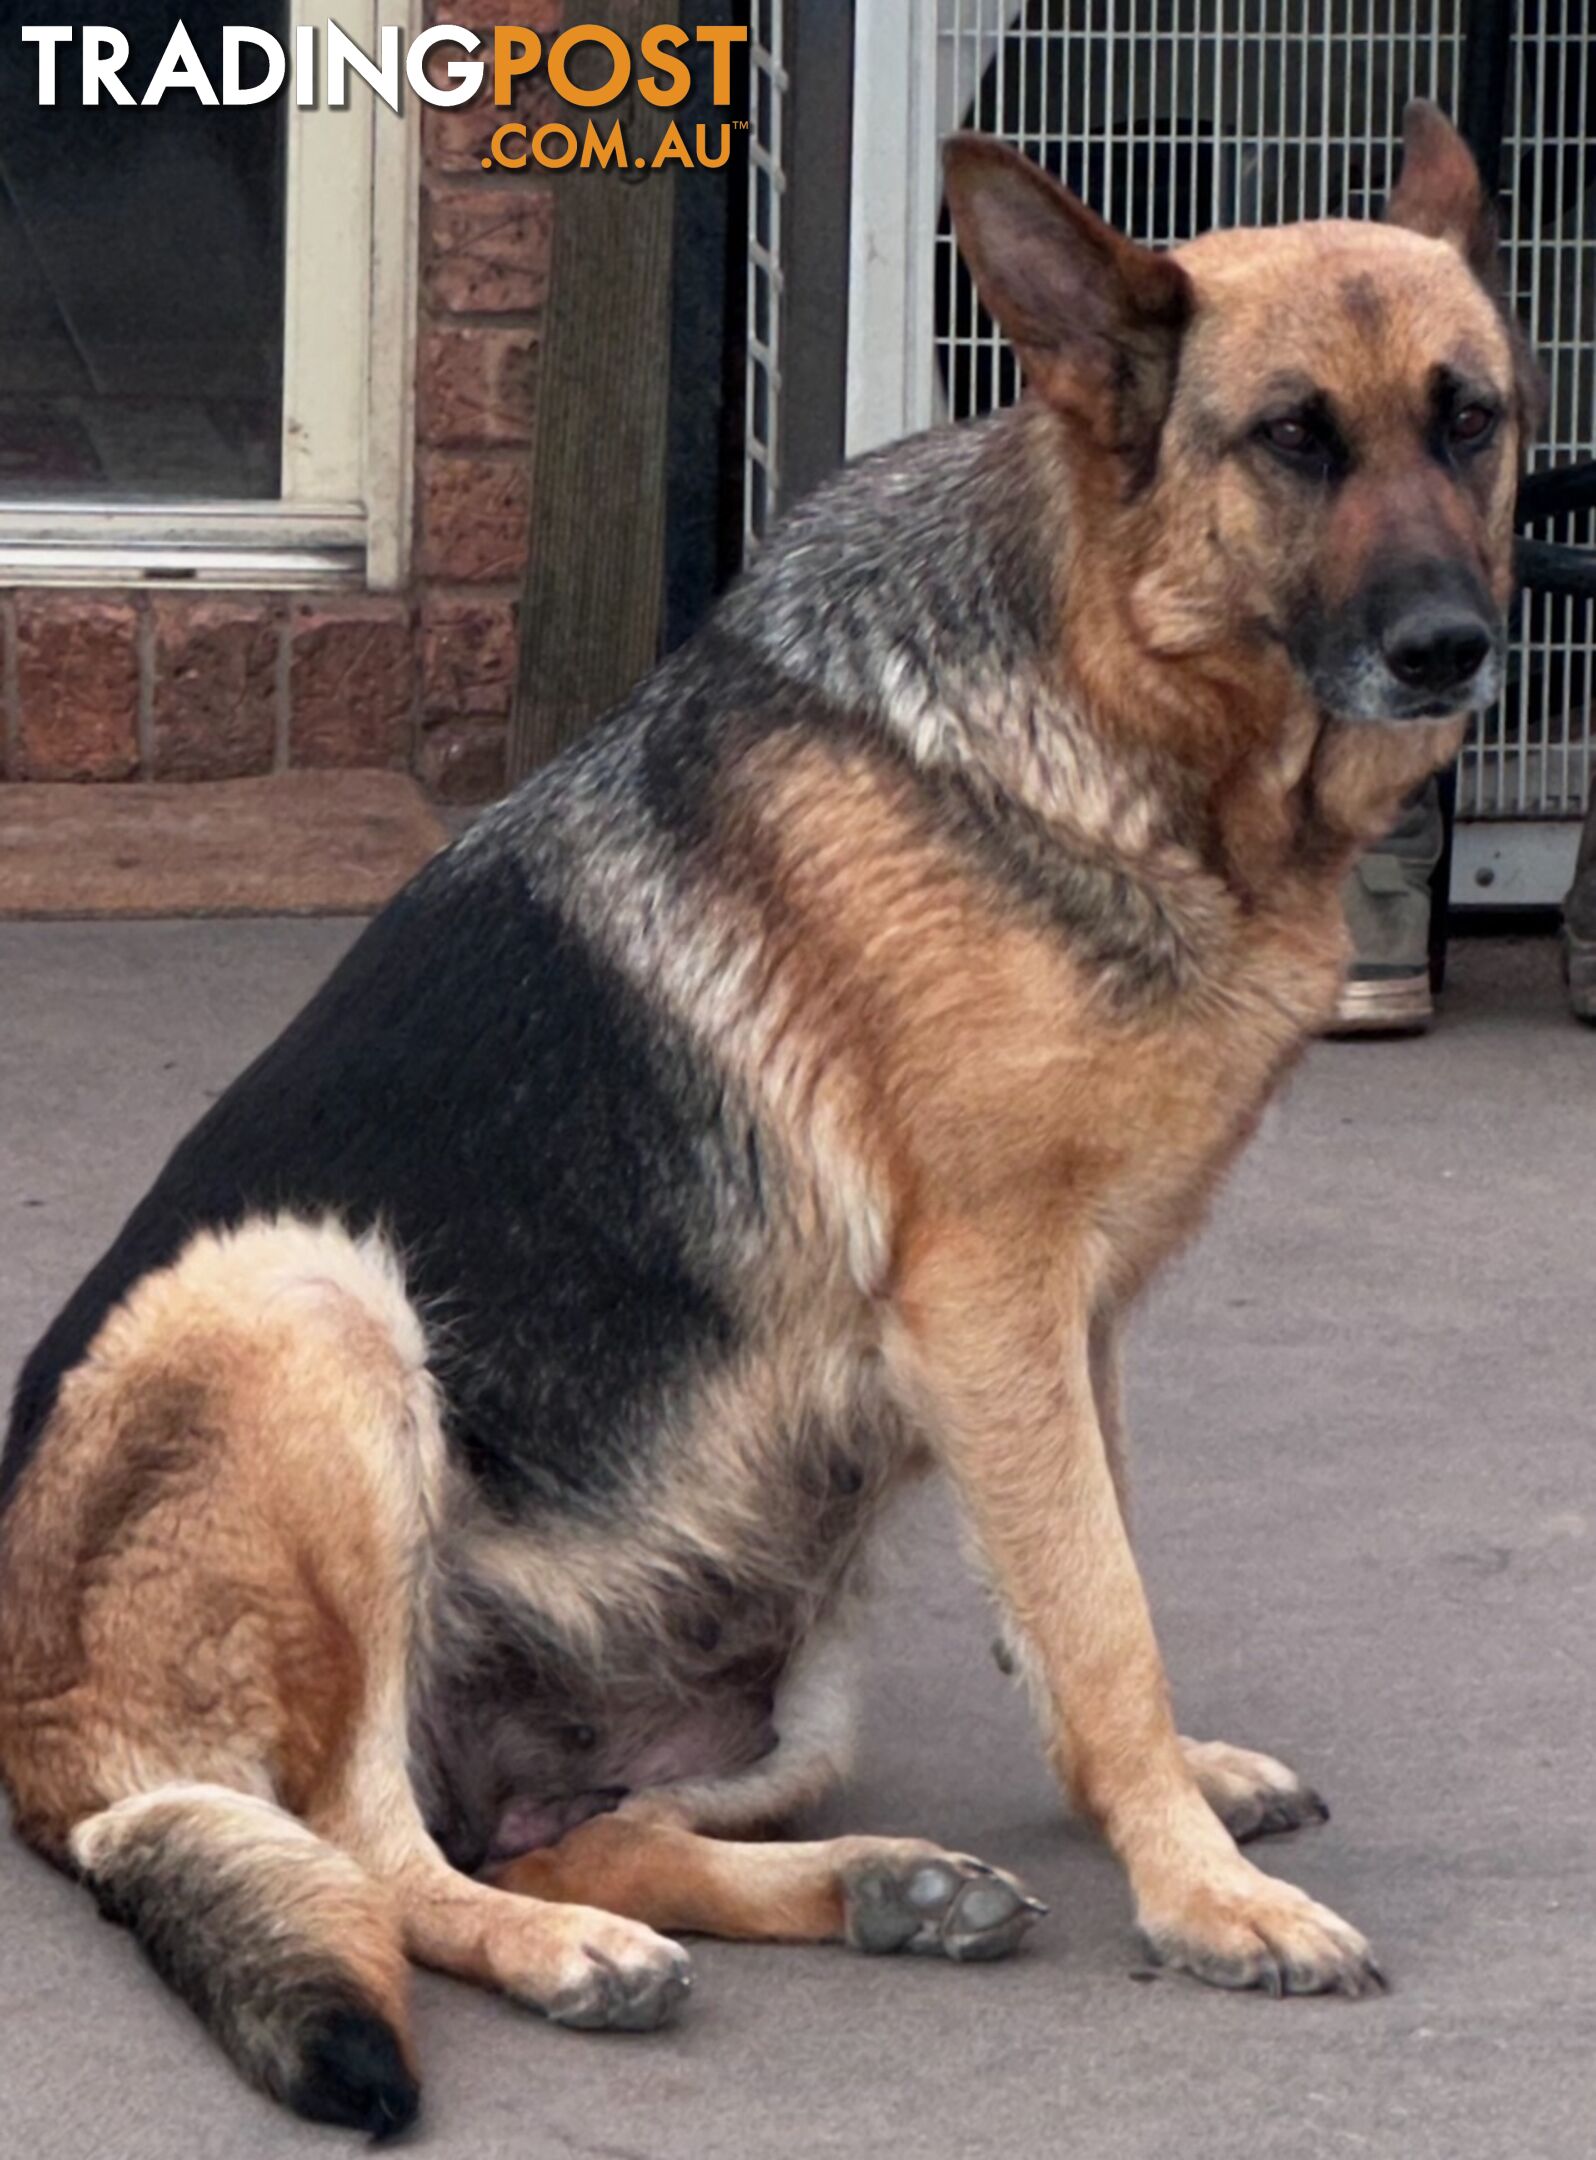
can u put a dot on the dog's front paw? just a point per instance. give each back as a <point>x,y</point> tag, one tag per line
<point>613,1975</point>
<point>1253,1795</point>
<point>1247,1930</point>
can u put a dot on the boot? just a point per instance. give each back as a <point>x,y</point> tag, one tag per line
<point>1387,901</point>
<point>1579,926</point>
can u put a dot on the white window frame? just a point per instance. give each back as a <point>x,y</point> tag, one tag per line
<point>343,516</point>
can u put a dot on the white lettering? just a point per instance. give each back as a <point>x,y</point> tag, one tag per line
<point>180,68</point>
<point>382,74</point>
<point>465,75</point>
<point>236,37</point>
<point>305,66</point>
<point>104,53</point>
<point>47,36</point>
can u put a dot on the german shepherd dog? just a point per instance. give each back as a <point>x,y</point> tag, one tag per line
<point>430,1532</point>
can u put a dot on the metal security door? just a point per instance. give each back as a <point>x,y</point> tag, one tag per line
<point>1169,116</point>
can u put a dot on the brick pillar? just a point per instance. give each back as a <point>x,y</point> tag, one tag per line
<point>484,280</point>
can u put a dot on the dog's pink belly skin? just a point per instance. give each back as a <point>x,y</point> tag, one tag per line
<point>525,1825</point>
<point>716,1739</point>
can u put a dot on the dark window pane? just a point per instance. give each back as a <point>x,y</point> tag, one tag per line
<point>141,269</point>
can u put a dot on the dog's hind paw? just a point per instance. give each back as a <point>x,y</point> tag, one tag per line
<point>1253,1795</point>
<point>936,1903</point>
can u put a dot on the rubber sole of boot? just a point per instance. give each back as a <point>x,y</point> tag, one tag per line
<point>1579,972</point>
<point>1384,1005</point>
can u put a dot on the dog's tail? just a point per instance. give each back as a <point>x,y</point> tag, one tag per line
<point>285,1948</point>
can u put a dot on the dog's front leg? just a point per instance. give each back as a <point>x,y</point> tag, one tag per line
<point>992,1336</point>
<point>1253,1795</point>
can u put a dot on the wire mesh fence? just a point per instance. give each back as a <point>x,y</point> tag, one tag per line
<point>1170,116</point>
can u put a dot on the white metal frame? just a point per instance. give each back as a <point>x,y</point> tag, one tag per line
<point>1500,862</point>
<point>894,218</point>
<point>768,86</point>
<point>344,512</point>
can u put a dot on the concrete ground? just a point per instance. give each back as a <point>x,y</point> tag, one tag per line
<point>1365,1479</point>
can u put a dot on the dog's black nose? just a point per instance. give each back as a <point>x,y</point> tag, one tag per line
<point>1437,646</point>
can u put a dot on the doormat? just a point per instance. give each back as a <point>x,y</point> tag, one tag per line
<point>300,843</point>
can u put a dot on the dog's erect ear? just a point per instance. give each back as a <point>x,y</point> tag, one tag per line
<point>1095,319</point>
<point>1439,191</point>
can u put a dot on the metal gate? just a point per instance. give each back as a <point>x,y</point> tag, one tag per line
<point>1169,116</point>
<point>767,186</point>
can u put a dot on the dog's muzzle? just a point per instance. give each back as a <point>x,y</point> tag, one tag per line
<point>1421,643</point>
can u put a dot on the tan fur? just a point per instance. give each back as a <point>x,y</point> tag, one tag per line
<point>711,1504</point>
<point>170,1611</point>
<point>218,1562</point>
<point>682,1883</point>
<point>229,1592</point>
<point>1046,1154</point>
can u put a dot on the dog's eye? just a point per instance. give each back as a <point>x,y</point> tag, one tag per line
<point>1471,424</point>
<point>1306,442</point>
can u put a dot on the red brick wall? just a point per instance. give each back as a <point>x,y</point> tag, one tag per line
<point>208,686</point>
